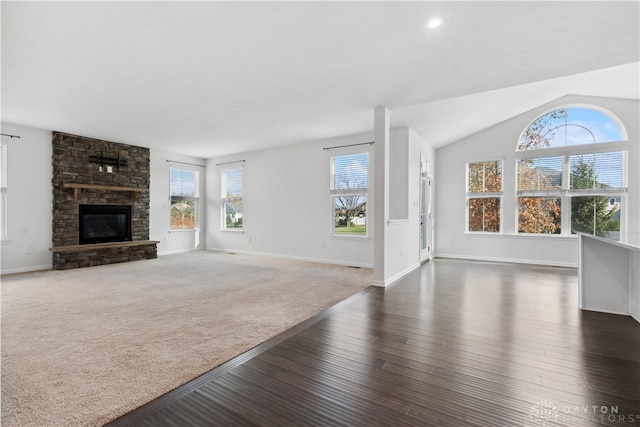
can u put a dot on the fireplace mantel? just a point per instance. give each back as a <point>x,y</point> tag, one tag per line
<point>77,187</point>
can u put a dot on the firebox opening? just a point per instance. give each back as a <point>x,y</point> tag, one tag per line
<point>104,223</point>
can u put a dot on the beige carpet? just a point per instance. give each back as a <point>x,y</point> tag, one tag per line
<point>82,347</point>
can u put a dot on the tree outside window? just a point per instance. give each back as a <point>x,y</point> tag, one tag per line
<point>349,192</point>
<point>593,214</point>
<point>484,195</point>
<point>184,194</point>
<point>232,204</point>
<point>579,183</point>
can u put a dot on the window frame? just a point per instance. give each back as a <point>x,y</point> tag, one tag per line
<point>195,199</point>
<point>356,192</point>
<point>236,199</point>
<point>475,195</point>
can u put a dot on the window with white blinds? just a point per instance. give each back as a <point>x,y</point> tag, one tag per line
<point>596,171</point>
<point>231,193</point>
<point>349,189</point>
<point>583,186</point>
<point>541,174</point>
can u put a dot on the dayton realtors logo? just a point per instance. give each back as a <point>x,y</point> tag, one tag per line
<point>545,413</point>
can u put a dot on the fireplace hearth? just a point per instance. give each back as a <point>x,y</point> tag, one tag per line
<point>104,223</point>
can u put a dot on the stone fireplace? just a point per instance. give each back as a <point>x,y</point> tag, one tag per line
<point>100,202</point>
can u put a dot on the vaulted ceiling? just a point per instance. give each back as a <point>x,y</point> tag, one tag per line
<point>215,78</point>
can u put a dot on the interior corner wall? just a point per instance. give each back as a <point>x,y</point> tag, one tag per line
<point>173,241</point>
<point>29,200</point>
<point>286,206</point>
<point>499,142</point>
<point>287,210</point>
<point>402,243</point>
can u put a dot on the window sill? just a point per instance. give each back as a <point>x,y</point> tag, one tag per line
<point>520,235</point>
<point>184,230</point>
<point>230,230</point>
<point>341,237</point>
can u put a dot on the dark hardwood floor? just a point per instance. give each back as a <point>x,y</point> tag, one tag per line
<point>454,343</point>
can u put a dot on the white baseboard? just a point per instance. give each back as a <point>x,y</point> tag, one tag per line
<point>181,251</point>
<point>27,269</point>
<point>508,260</point>
<point>295,258</point>
<point>396,277</point>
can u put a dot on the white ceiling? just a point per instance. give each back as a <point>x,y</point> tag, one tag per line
<point>215,78</point>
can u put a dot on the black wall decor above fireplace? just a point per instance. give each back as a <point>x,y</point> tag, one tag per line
<point>104,223</point>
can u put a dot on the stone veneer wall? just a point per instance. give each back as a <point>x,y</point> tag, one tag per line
<point>71,165</point>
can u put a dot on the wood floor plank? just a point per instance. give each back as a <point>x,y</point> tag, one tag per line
<point>454,343</point>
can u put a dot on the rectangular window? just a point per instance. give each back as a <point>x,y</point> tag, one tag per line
<point>3,191</point>
<point>231,193</point>
<point>349,190</point>
<point>484,196</point>
<point>184,193</point>
<point>589,187</point>
<point>539,190</point>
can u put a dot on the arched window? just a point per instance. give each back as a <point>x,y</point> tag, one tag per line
<point>569,127</point>
<point>570,166</point>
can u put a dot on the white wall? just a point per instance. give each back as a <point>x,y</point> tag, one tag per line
<point>286,204</point>
<point>287,210</point>
<point>499,142</point>
<point>402,243</point>
<point>29,200</point>
<point>160,204</point>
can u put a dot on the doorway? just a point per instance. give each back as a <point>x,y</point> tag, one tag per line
<point>426,229</point>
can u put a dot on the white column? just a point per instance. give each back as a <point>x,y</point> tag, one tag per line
<point>380,192</point>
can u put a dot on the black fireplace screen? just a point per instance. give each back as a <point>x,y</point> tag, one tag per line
<point>104,223</point>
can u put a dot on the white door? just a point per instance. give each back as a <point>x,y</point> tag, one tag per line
<point>425,213</point>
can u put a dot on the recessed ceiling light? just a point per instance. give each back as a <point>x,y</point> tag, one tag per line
<point>434,22</point>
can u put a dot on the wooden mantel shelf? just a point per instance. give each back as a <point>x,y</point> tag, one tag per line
<point>77,187</point>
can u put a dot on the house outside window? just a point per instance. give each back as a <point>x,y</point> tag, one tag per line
<point>571,174</point>
<point>484,196</point>
<point>231,193</point>
<point>184,195</point>
<point>349,190</point>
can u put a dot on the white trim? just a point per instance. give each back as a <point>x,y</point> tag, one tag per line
<point>596,147</point>
<point>507,260</point>
<point>27,269</point>
<point>396,222</point>
<point>623,130</point>
<point>396,277</point>
<point>179,251</point>
<point>295,258</point>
